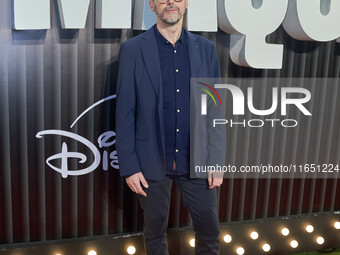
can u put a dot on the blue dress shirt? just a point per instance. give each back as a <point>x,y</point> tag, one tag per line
<point>175,70</point>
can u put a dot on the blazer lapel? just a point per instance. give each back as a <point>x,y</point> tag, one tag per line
<point>194,56</point>
<point>151,60</point>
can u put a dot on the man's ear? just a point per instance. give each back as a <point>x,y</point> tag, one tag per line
<point>152,5</point>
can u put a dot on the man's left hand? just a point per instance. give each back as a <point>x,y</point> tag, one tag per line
<point>215,180</point>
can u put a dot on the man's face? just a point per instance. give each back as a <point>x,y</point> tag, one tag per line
<point>171,12</point>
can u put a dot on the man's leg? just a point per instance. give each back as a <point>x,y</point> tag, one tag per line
<point>156,207</point>
<point>202,203</point>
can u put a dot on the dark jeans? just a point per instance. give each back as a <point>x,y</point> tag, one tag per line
<point>202,204</point>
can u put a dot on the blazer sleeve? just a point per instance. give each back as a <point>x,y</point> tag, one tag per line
<point>217,135</point>
<point>126,112</point>
<point>215,70</point>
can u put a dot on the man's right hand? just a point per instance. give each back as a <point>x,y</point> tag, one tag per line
<point>134,183</point>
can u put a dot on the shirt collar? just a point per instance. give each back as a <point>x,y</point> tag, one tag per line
<point>160,38</point>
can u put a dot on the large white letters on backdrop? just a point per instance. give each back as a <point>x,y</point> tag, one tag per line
<point>249,28</point>
<point>247,25</point>
<point>309,24</point>
<point>202,16</point>
<point>73,13</point>
<point>35,14</point>
<point>32,14</point>
<point>113,14</point>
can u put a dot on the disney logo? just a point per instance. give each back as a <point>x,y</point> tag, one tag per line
<point>105,140</point>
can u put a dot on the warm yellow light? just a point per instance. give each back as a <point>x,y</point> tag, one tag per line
<point>227,238</point>
<point>240,251</point>
<point>285,231</point>
<point>266,247</point>
<point>92,252</point>
<point>192,242</point>
<point>320,240</point>
<point>337,225</point>
<point>254,235</point>
<point>131,250</point>
<point>309,228</point>
<point>294,244</point>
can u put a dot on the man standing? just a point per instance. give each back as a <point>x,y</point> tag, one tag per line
<point>153,125</point>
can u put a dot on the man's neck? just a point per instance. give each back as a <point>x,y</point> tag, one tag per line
<point>170,32</point>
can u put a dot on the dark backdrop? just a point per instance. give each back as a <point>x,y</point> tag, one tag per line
<point>48,78</point>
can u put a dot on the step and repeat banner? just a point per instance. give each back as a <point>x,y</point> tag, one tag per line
<point>59,168</point>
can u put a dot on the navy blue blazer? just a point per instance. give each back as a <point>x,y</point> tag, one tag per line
<point>139,103</point>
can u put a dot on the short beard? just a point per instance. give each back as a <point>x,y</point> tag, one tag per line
<point>170,20</point>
